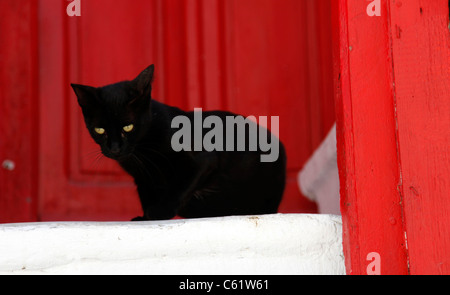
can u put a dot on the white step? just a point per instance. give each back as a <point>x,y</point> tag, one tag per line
<point>269,244</point>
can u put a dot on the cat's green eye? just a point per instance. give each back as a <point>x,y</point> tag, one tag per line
<point>100,130</point>
<point>128,128</point>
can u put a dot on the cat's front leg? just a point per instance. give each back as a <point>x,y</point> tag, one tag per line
<point>155,214</point>
<point>139,218</point>
<point>156,203</point>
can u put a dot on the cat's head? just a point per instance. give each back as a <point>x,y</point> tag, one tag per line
<point>117,115</point>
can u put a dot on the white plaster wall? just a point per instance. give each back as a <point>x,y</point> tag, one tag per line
<point>269,244</point>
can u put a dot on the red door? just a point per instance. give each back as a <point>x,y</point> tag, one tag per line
<point>249,56</point>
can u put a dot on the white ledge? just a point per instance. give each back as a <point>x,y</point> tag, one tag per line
<point>269,244</point>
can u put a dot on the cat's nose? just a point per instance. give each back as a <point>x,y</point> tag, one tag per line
<point>115,148</point>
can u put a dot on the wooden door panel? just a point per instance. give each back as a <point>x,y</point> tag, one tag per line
<point>18,104</point>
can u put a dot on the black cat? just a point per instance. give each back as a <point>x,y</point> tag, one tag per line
<point>136,131</point>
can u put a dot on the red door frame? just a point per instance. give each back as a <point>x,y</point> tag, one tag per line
<point>393,121</point>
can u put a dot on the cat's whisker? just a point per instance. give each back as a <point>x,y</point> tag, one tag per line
<point>209,190</point>
<point>96,163</point>
<point>94,156</point>
<point>91,154</point>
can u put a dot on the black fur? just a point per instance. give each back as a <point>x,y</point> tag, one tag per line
<point>188,184</point>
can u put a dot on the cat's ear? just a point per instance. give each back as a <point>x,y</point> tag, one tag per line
<point>143,82</point>
<point>85,94</point>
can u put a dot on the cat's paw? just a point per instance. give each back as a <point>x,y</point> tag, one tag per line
<point>138,218</point>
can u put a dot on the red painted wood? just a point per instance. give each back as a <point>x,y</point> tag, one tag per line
<point>320,60</point>
<point>393,117</point>
<point>421,52</point>
<point>344,136</point>
<point>18,65</point>
<point>367,148</point>
<point>247,56</point>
